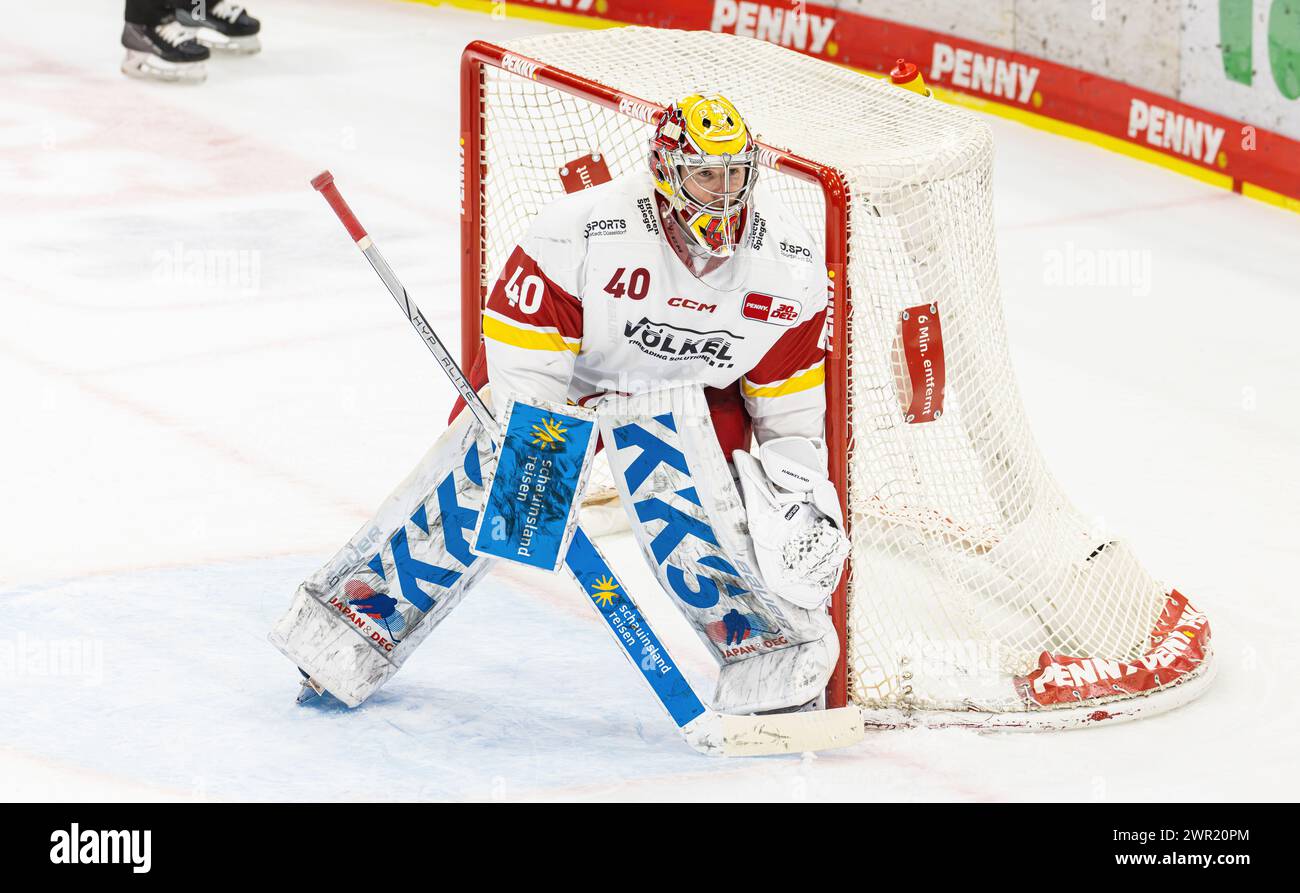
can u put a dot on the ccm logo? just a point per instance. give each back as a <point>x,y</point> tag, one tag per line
<point>765,308</point>
<point>692,305</point>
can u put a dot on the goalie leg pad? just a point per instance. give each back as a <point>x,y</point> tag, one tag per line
<point>688,519</point>
<point>352,624</point>
<point>777,679</point>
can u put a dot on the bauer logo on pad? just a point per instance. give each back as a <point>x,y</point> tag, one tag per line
<point>532,502</point>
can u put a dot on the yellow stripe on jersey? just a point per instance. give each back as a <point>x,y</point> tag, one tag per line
<point>809,378</point>
<point>529,339</point>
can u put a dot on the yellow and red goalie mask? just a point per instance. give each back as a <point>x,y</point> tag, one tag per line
<point>704,162</point>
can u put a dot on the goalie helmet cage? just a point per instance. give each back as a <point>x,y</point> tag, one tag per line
<point>975,594</point>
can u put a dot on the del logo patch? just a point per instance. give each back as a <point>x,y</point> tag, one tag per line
<point>765,308</point>
<point>532,501</point>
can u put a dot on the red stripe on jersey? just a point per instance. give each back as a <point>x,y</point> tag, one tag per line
<point>797,349</point>
<point>525,294</point>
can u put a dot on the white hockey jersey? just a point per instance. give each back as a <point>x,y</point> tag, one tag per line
<point>595,299</point>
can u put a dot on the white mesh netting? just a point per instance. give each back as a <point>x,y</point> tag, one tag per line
<point>967,561</point>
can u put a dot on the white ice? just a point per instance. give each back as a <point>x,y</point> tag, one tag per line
<point>180,450</point>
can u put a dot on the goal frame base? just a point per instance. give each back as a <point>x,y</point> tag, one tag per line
<point>1087,714</point>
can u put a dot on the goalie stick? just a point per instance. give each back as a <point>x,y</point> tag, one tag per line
<point>705,730</point>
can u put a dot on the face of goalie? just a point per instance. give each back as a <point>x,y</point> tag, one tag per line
<point>715,196</point>
<point>715,186</point>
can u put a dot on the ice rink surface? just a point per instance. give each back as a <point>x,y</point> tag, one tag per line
<point>185,441</point>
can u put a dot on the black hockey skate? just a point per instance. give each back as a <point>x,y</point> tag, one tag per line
<point>164,52</point>
<point>223,26</point>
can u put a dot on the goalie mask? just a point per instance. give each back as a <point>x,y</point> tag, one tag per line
<point>704,162</point>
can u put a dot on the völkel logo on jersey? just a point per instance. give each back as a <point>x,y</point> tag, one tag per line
<point>674,343</point>
<point>765,308</point>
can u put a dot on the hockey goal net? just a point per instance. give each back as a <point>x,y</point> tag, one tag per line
<point>975,594</point>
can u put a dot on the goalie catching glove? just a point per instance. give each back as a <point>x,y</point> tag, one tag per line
<point>794,518</point>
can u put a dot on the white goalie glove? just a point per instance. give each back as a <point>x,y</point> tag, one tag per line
<point>794,518</point>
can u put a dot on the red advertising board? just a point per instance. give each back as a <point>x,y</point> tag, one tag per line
<point>1201,140</point>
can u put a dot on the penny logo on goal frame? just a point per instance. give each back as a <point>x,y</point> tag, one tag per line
<point>768,157</point>
<point>520,66</point>
<point>635,108</point>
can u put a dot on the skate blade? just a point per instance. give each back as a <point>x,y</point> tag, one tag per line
<point>145,66</point>
<point>310,691</point>
<point>235,46</point>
